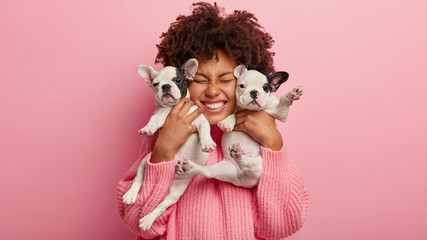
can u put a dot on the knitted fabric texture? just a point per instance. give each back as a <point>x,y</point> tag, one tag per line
<point>212,209</point>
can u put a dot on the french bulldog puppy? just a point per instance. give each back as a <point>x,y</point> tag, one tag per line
<point>170,86</point>
<point>242,163</point>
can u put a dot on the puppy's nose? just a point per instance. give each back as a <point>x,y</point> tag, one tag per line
<point>254,94</point>
<point>166,88</point>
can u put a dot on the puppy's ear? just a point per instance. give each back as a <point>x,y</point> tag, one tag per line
<point>239,70</point>
<point>189,68</point>
<point>276,79</point>
<point>147,73</point>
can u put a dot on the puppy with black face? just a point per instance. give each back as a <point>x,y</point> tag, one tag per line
<point>170,83</point>
<point>170,86</point>
<point>242,163</point>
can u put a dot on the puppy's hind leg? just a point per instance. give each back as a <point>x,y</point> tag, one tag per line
<point>131,195</point>
<point>251,167</point>
<point>178,187</point>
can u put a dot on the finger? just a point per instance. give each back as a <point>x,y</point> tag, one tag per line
<point>243,113</point>
<point>190,127</point>
<point>239,127</point>
<point>186,107</point>
<point>240,120</point>
<point>199,104</point>
<point>179,105</point>
<point>193,128</point>
<point>194,114</point>
<point>242,116</point>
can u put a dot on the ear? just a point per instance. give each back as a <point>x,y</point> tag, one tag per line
<point>190,68</point>
<point>147,73</point>
<point>276,79</point>
<point>239,70</point>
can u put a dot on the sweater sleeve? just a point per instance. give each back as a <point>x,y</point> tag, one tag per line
<point>281,197</point>
<point>157,180</point>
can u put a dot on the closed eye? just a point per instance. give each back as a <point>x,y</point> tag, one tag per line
<point>200,81</point>
<point>226,81</point>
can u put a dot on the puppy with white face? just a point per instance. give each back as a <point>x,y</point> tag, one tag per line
<point>255,92</point>
<point>242,163</point>
<point>170,86</point>
<point>254,89</point>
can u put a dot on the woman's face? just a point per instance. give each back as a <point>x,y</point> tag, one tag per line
<point>214,87</point>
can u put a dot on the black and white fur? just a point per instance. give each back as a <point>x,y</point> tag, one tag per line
<point>242,163</point>
<point>170,86</point>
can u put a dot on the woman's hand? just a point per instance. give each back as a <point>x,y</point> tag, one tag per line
<point>175,131</point>
<point>261,127</point>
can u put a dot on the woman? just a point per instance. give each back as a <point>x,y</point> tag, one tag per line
<point>211,209</point>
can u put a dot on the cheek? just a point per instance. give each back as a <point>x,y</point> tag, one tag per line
<point>195,91</point>
<point>230,93</point>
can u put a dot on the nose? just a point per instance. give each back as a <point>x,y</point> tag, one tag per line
<point>166,88</point>
<point>253,94</point>
<point>212,90</point>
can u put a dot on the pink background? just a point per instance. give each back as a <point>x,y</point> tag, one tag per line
<point>71,103</point>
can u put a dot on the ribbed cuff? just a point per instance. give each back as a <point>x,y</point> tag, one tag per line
<point>158,179</point>
<point>273,159</point>
<point>159,173</point>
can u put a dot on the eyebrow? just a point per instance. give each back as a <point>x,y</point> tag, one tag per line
<point>221,75</point>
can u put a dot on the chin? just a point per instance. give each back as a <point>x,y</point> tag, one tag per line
<point>214,120</point>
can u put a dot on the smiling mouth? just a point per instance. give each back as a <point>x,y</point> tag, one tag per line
<point>214,106</point>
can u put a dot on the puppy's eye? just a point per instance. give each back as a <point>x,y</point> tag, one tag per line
<point>177,80</point>
<point>265,88</point>
<point>155,84</point>
<point>242,85</point>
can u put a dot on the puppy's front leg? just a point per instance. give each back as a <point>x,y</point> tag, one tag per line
<point>290,96</point>
<point>228,123</point>
<point>156,121</point>
<point>282,109</point>
<point>204,131</point>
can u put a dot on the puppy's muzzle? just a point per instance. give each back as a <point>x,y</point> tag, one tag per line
<point>254,94</point>
<point>166,88</point>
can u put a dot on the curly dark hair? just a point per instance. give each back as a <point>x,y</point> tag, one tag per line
<point>207,29</point>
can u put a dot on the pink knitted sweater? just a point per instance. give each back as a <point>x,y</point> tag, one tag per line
<point>212,209</point>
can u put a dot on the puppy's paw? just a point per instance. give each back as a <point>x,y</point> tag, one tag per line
<point>226,126</point>
<point>130,196</point>
<point>207,145</point>
<point>146,222</point>
<point>147,130</point>
<point>296,93</point>
<point>235,151</point>
<point>183,166</point>
<point>290,96</point>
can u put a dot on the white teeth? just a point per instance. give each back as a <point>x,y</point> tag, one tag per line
<point>214,105</point>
